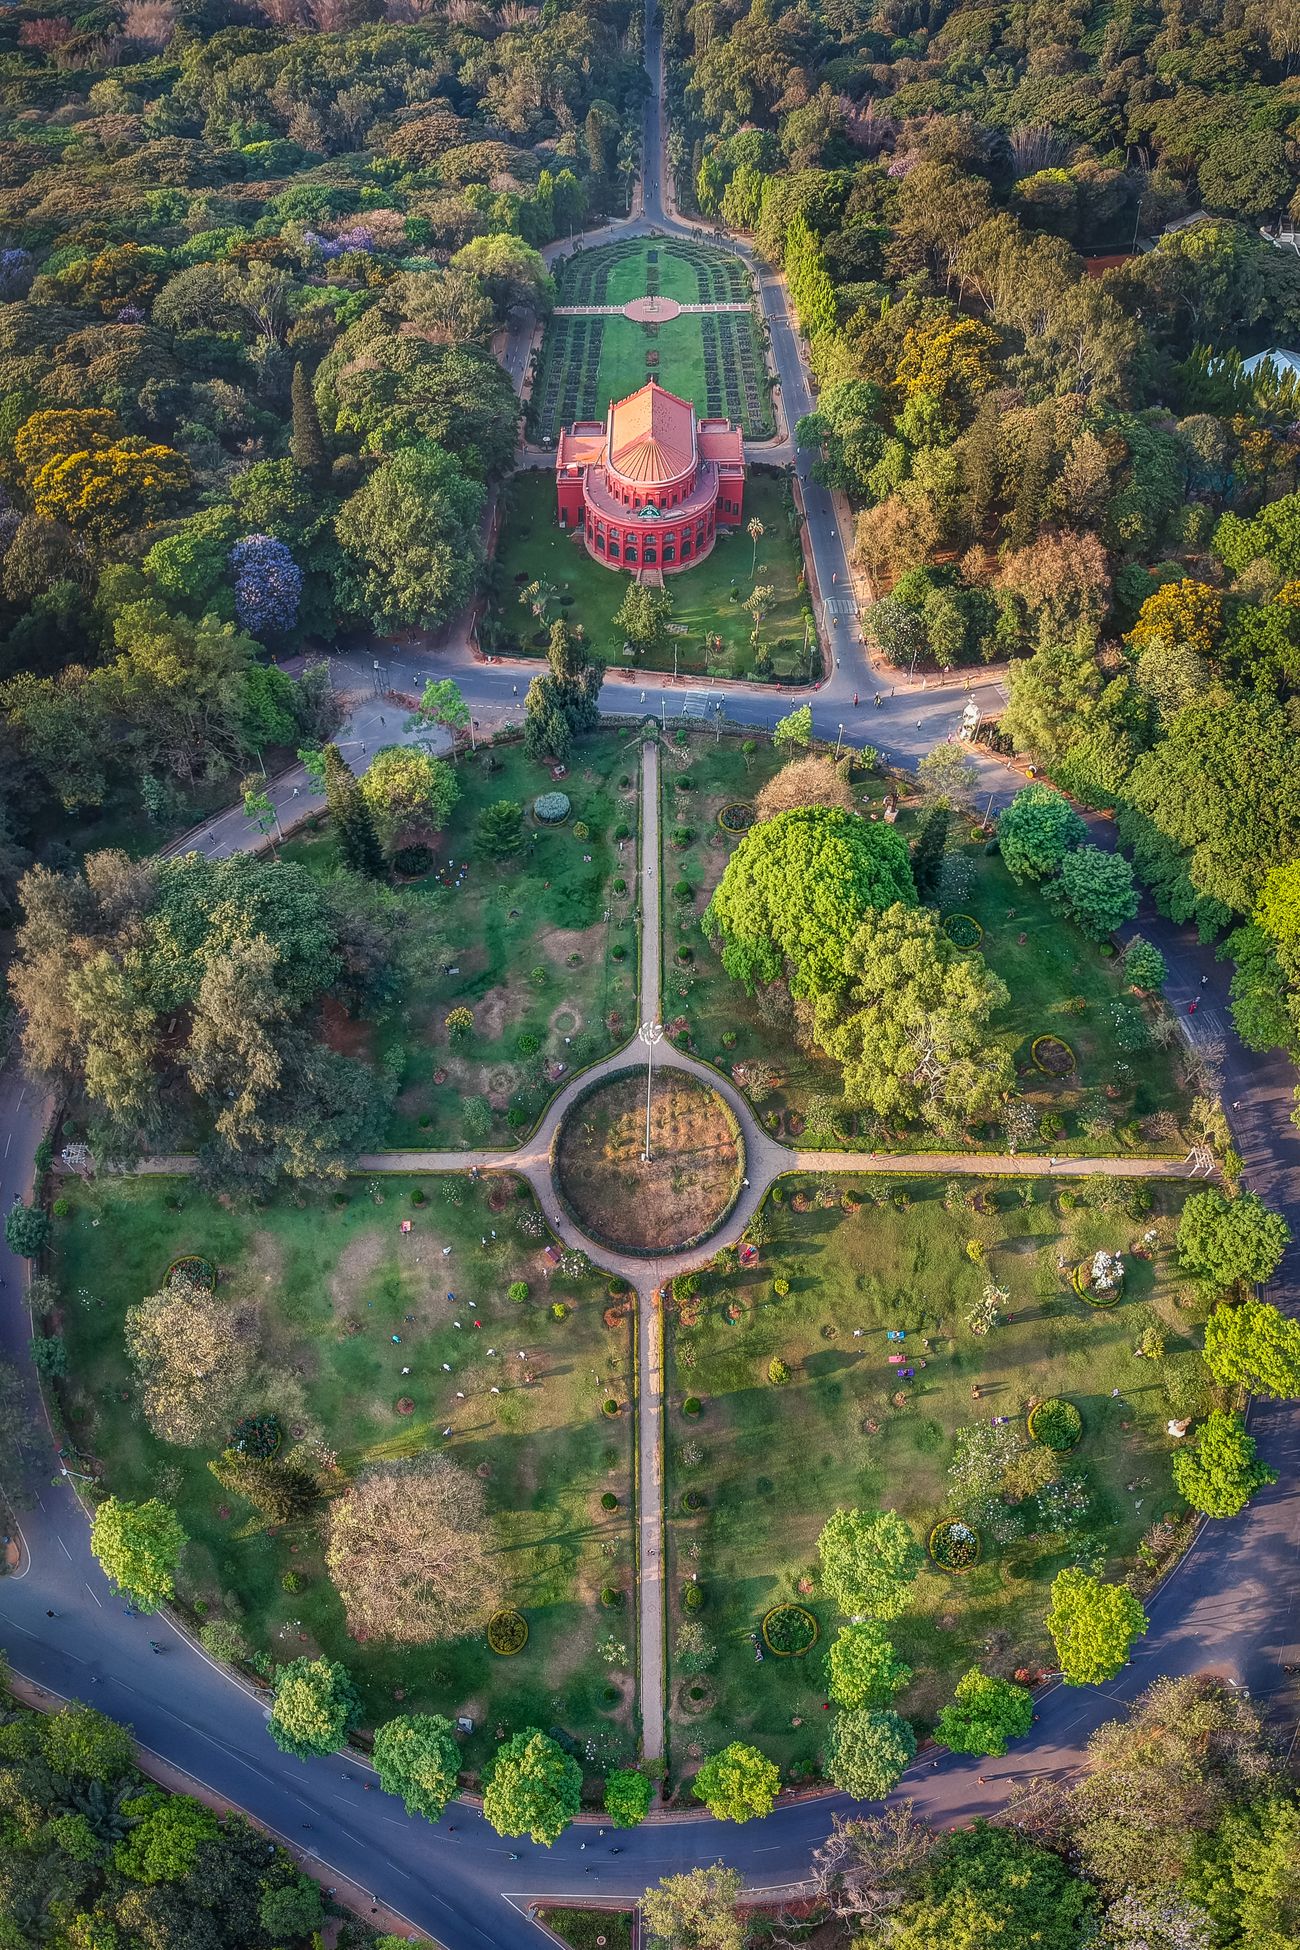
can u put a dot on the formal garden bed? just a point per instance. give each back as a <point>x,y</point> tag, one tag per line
<point>540,948</point>
<point>1108,1080</point>
<point>354,1315</point>
<point>711,628</point>
<point>843,1263</point>
<point>713,359</point>
<point>678,1195</point>
<point>589,1929</point>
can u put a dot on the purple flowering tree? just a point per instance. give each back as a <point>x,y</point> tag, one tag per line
<point>268,584</point>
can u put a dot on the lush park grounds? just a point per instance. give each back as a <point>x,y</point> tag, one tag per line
<point>710,628</point>
<point>541,948</point>
<point>712,358</point>
<point>783,1404</point>
<point>356,1319</point>
<point>1111,1087</point>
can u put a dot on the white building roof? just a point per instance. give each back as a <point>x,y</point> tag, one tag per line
<point>1285,364</point>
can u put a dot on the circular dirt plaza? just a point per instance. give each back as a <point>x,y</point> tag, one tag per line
<point>685,1190</point>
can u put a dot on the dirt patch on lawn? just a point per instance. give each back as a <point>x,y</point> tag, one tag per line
<point>344,1033</point>
<point>685,1189</point>
<point>557,944</point>
<point>357,1261</point>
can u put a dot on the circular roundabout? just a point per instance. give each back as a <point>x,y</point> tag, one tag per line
<point>667,1201</point>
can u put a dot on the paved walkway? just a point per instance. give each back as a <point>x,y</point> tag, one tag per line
<point>766,1159</point>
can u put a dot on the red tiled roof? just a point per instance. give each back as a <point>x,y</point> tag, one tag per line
<point>651,435</point>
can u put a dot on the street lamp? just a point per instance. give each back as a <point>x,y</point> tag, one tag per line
<point>650,1033</point>
<point>839,741</point>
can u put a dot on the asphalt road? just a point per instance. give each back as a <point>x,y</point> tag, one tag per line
<point>1230,1606</point>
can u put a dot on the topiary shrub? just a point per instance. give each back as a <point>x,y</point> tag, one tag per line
<point>610,1406</point>
<point>517,1291</point>
<point>691,1406</point>
<point>581,830</point>
<point>693,1598</point>
<point>507,1632</point>
<point>611,1595</point>
<point>552,808</point>
<point>1055,1423</point>
<point>609,1501</point>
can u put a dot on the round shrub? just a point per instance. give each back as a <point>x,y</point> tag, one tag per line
<point>418,1198</point>
<point>609,1501</point>
<point>1055,1423</point>
<point>693,1598</point>
<point>683,891</point>
<point>781,1288</point>
<point>291,1582</point>
<point>528,1042</point>
<point>611,1595</point>
<point>954,1545</point>
<point>552,808</point>
<point>517,1291</point>
<point>507,1632</point>
<point>61,1207</point>
<point>790,1631</point>
<point>412,862</point>
<point>691,1406</point>
<point>581,830</point>
<point>610,1406</point>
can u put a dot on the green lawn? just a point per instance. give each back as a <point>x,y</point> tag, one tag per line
<point>711,358</point>
<point>772,1462</point>
<point>336,1280</point>
<point>543,949</point>
<point>1125,1094</point>
<point>708,598</point>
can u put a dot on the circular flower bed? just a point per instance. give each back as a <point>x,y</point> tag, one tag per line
<point>194,1268</point>
<point>1055,1423</point>
<point>954,1545</point>
<point>257,1435</point>
<point>1052,1055</point>
<point>507,1632</point>
<point>736,818</point>
<point>1081,1280</point>
<point>963,930</point>
<point>790,1631</point>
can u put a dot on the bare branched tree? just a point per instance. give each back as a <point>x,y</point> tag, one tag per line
<point>409,1551</point>
<point>866,1869</point>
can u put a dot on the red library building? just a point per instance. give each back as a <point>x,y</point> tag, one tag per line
<point>653,485</point>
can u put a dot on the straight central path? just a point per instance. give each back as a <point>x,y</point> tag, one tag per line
<point>651,1660</point>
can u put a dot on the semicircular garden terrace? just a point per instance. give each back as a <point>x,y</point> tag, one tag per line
<point>642,1198</point>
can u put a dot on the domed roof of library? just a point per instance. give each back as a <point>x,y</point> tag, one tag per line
<point>651,435</point>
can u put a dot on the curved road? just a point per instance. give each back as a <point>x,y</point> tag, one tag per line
<point>1229,1606</point>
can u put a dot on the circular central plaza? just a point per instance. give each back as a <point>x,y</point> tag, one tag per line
<point>667,1200</point>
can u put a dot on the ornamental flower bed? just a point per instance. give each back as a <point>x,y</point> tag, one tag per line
<point>1099,1280</point>
<point>507,1632</point>
<point>955,1546</point>
<point>736,818</point>
<point>1055,1423</point>
<point>257,1435</point>
<point>1053,1056</point>
<point>194,1268</point>
<point>789,1631</point>
<point>963,930</point>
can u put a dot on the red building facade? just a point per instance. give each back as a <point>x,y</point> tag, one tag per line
<point>653,485</point>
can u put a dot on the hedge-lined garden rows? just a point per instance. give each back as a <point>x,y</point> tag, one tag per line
<point>568,390</point>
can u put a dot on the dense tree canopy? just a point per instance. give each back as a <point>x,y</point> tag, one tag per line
<point>795,891</point>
